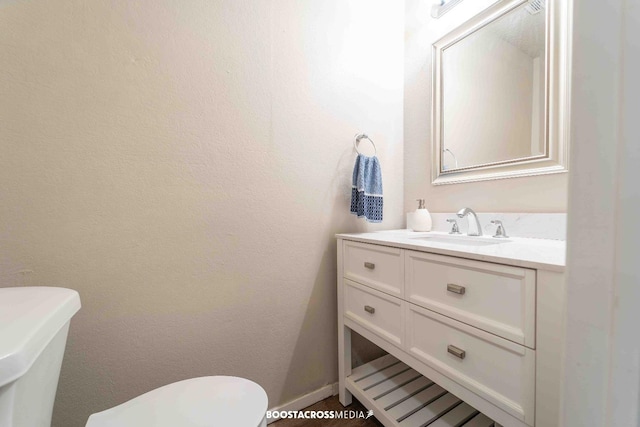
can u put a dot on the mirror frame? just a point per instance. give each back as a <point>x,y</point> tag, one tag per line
<point>557,90</point>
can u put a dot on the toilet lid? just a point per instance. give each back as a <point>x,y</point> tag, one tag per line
<point>197,402</point>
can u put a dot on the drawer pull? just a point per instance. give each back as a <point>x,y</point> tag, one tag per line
<point>456,289</point>
<point>369,309</point>
<point>457,352</point>
<point>369,265</point>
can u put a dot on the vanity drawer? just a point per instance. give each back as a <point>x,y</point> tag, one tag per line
<point>496,369</point>
<point>496,298</point>
<point>376,266</point>
<point>378,312</point>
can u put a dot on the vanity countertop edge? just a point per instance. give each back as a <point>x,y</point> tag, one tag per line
<point>539,254</point>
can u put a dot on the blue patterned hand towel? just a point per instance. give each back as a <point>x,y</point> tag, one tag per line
<point>366,189</point>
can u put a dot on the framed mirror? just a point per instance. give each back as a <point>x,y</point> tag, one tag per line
<point>500,94</point>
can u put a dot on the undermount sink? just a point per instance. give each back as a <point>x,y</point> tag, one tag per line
<point>462,240</point>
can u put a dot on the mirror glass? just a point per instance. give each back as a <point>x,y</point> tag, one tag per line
<point>501,93</point>
<point>493,96</point>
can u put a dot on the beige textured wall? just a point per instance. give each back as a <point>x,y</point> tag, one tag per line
<point>184,165</point>
<point>532,194</point>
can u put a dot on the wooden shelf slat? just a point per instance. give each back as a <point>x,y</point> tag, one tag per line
<point>401,397</point>
<point>416,402</point>
<point>432,411</point>
<point>382,376</point>
<point>480,420</point>
<point>404,392</point>
<point>393,383</point>
<point>457,416</point>
<point>372,367</point>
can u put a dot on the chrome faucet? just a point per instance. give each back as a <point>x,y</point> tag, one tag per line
<point>474,228</point>
<point>501,233</point>
<point>454,227</point>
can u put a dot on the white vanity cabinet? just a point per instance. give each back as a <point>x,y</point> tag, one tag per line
<point>470,342</point>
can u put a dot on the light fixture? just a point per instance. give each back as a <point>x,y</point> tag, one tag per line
<point>440,7</point>
<point>535,6</point>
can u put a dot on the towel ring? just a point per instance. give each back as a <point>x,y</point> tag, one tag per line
<point>360,137</point>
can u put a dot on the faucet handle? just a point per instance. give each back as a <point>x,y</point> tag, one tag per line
<point>501,233</point>
<point>454,227</point>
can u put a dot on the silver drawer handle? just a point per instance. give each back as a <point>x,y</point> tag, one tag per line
<point>369,309</point>
<point>369,265</point>
<point>456,289</point>
<point>457,352</point>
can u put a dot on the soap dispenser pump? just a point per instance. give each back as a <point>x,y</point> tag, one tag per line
<point>421,218</point>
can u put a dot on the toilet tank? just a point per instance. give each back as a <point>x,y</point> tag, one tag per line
<point>34,322</point>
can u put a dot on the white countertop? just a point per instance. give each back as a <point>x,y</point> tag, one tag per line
<point>541,254</point>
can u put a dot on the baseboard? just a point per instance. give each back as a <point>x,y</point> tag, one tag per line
<point>306,400</point>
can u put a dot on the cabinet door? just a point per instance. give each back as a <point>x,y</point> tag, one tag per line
<point>496,298</point>
<point>379,267</point>
<point>498,370</point>
<point>380,313</point>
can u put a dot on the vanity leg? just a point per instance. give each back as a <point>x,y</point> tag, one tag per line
<point>344,363</point>
<point>344,336</point>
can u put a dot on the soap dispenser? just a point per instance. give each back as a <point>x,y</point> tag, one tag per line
<point>421,218</point>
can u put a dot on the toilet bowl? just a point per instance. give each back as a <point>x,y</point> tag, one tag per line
<point>34,322</point>
<point>197,402</point>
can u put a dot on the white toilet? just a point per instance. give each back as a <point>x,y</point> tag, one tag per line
<point>34,322</point>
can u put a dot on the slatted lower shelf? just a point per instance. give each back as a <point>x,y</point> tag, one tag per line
<point>401,397</point>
